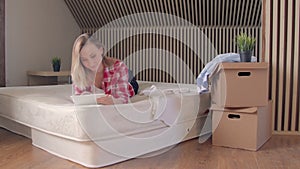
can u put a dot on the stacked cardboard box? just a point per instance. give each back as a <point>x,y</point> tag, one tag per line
<point>241,112</point>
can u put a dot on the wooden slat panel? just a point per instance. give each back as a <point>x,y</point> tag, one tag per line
<point>2,44</point>
<point>182,50</point>
<point>200,13</point>
<point>258,14</point>
<point>281,66</point>
<point>274,62</point>
<point>281,36</point>
<point>288,71</point>
<point>296,100</point>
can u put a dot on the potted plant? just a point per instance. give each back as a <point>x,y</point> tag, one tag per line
<point>56,61</point>
<point>245,45</point>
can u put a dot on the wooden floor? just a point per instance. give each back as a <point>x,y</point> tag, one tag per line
<point>280,152</point>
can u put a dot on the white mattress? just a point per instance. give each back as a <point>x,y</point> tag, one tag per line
<point>93,135</point>
<point>51,110</point>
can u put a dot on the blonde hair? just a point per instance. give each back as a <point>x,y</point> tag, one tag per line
<point>81,76</point>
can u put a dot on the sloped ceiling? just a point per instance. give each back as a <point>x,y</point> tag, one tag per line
<point>93,14</point>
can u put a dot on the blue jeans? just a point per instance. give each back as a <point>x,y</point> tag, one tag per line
<point>135,85</point>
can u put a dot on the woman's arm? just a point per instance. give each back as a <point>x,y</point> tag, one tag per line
<point>116,85</point>
<point>78,91</point>
<point>119,82</point>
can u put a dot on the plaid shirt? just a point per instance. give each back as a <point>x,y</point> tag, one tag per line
<point>115,82</point>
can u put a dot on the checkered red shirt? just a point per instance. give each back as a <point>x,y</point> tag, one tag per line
<point>115,82</point>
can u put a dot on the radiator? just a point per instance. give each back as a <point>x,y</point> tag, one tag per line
<point>171,54</point>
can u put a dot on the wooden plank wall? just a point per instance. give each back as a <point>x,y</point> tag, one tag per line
<point>149,50</point>
<point>281,49</point>
<point>2,43</point>
<point>97,13</point>
<point>220,21</point>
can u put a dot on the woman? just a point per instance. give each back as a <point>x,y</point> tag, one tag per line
<point>90,68</point>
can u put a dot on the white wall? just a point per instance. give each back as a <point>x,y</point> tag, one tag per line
<point>37,30</point>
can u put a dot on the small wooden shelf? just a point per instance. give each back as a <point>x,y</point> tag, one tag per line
<point>47,77</point>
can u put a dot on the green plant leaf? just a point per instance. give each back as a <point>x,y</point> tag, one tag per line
<point>56,60</point>
<point>245,42</point>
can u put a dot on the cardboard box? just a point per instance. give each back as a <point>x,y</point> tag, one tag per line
<point>240,84</point>
<point>244,128</point>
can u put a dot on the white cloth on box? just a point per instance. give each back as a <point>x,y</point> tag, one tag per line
<point>202,79</point>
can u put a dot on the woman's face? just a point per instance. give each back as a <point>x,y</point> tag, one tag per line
<point>91,56</point>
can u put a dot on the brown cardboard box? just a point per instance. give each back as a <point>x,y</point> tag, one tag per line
<point>240,84</point>
<point>245,128</point>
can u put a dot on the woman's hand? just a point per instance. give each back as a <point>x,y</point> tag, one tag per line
<point>108,100</point>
